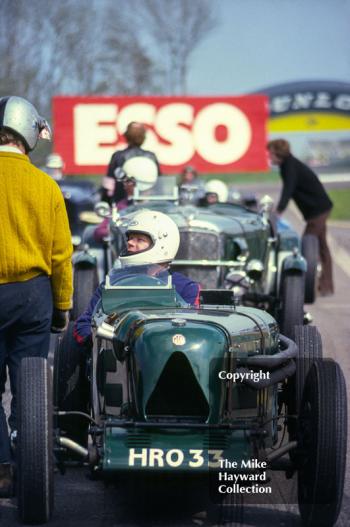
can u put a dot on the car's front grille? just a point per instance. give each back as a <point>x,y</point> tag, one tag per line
<point>198,246</point>
<point>207,277</point>
<point>178,393</point>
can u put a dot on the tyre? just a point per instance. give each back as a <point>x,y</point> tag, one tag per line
<point>310,250</point>
<point>292,311</point>
<point>226,510</point>
<point>309,342</point>
<point>71,390</point>
<point>85,281</point>
<point>323,441</point>
<point>35,441</point>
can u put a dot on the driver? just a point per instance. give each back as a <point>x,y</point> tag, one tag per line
<point>153,240</point>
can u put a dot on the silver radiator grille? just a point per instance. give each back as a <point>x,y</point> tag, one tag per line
<point>198,245</point>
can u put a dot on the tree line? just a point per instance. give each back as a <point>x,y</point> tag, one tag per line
<point>103,47</point>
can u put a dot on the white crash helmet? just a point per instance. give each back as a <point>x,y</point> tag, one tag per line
<point>54,161</point>
<point>143,169</point>
<point>217,187</point>
<point>19,115</point>
<point>164,235</point>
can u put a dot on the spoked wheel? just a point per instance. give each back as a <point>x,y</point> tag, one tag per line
<point>71,389</point>
<point>310,250</point>
<point>85,281</point>
<point>292,312</point>
<point>323,439</point>
<point>35,441</point>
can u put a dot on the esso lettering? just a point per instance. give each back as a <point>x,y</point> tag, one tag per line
<point>175,132</point>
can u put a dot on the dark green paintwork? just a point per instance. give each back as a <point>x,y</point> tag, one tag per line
<point>118,442</point>
<point>229,221</point>
<point>210,337</point>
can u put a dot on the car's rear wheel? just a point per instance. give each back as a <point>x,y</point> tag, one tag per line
<point>71,389</point>
<point>35,441</point>
<point>310,250</point>
<point>322,435</point>
<point>85,281</point>
<point>292,310</point>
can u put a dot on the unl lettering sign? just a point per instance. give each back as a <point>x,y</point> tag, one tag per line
<point>214,134</point>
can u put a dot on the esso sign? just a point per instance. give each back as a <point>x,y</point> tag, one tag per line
<point>213,134</point>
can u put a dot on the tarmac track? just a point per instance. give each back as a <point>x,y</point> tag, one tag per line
<point>81,502</point>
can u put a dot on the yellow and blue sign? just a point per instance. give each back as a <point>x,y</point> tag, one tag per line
<point>309,106</point>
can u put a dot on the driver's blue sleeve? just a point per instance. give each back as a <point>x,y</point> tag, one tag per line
<point>186,288</point>
<point>82,326</point>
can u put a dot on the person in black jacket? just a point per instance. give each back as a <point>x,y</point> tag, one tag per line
<point>113,189</point>
<point>302,185</point>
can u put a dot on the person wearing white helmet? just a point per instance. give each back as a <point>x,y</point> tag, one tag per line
<point>153,240</point>
<point>137,163</point>
<point>35,256</point>
<point>216,191</point>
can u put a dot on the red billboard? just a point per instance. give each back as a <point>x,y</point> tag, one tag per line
<point>214,134</point>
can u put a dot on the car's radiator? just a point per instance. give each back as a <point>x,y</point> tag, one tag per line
<point>199,246</point>
<point>177,393</point>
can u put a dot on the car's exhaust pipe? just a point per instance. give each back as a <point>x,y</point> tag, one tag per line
<point>72,445</point>
<point>275,376</point>
<point>279,452</point>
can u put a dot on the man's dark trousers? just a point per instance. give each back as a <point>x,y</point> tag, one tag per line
<point>317,227</point>
<point>25,321</point>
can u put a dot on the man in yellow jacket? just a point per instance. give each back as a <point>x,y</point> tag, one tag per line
<point>35,256</point>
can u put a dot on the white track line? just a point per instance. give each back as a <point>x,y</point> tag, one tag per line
<point>340,256</point>
<point>335,178</point>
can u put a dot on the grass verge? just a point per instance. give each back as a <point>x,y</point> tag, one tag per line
<point>341,200</point>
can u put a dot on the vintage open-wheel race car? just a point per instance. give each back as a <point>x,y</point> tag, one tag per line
<point>229,246</point>
<point>224,245</point>
<point>171,389</point>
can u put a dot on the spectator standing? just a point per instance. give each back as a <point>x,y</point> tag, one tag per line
<point>302,185</point>
<point>35,256</point>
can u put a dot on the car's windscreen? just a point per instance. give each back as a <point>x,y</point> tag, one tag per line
<point>165,188</point>
<point>138,287</point>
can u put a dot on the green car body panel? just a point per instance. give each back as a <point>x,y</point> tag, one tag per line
<point>184,373</point>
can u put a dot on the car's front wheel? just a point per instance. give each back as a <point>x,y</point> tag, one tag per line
<point>85,281</point>
<point>35,441</point>
<point>310,250</point>
<point>71,389</point>
<point>292,300</point>
<point>309,343</point>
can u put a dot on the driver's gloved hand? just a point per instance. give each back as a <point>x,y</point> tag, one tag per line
<point>60,319</point>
